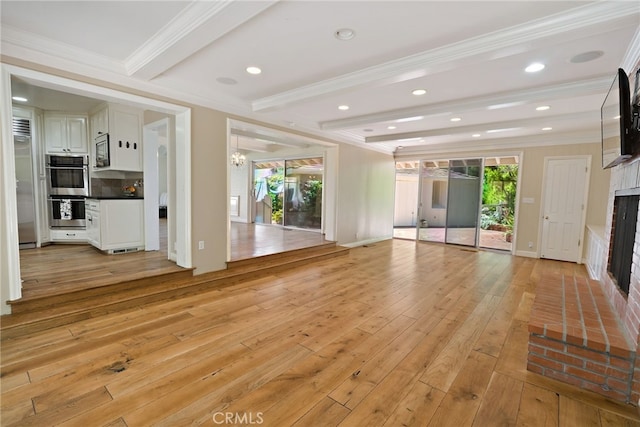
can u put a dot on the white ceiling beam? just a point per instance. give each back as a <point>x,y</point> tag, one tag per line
<point>527,96</point>
<point>590,19</point>
<point>484,127</point>
<point>198,25</point>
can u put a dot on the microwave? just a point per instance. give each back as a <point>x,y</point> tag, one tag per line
<point>103,157</point>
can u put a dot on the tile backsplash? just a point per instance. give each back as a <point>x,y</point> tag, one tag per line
<point>114,187</point>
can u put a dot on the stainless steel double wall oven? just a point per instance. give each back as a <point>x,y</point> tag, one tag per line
<point>68,185</point>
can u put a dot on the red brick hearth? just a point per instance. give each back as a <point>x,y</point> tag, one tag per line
<point>575,337</point>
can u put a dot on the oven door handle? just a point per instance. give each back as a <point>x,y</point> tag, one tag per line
<point>66,167</point>
<point>72,198</point>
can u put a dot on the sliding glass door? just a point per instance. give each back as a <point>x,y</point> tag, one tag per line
<point>434,188</point>
<point>469,202</point>
<point>303,193</point>
<point>289,192</point>
<point>463,202</point>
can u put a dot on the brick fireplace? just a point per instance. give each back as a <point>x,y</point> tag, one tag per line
<point>625,180</point>
<point>583,331</point>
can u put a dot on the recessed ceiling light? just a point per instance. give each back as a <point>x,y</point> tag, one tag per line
<point>534,68</point>
<point>586,56</point>
<point>419,92</point>
<point>343,107</point>
<point>476,135</point>
<point>344,34</point>
<point>400,147</point>
<point>391,127</point>
<point>19,98</point>
<point>542,108</point>
<point>547,128</point>
<point>254,70</point>
<point>455,119</point>
<point>409,119</point>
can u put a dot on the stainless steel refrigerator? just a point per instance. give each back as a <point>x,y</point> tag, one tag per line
<point>24,182</point>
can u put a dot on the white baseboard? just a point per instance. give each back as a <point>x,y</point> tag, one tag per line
<point>527,254</point>
<point>365,242</point>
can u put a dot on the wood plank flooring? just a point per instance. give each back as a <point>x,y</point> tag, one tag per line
<point>396,333</point>
<point>62,268</point>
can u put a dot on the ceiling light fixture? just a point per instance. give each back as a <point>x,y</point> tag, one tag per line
<point>237,158</point>
<point>547,128</point>
<point>344,34</point>
<point>455,119</point>
<point>343,107</point>
<point>19,98</point>
<point>542,108</point>
<point>391,127</point>
<point>535,67</point>
<point>418,92</point>
<point>476,135</point>
<point>254,70</point>
<point>409,119</point>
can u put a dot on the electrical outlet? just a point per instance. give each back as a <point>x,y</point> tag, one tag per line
<point>530,244</point>
<point>201,244</point>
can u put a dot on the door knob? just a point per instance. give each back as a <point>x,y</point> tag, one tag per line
<point>546,217</point>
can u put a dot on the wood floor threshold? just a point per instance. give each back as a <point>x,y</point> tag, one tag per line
<point>43,313</point>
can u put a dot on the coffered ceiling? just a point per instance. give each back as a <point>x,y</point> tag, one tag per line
<point>469,58</point>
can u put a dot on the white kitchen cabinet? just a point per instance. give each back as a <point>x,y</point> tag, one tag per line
<point>115,225</point>
<point>68,235</point>
<point>65,133</point>
<point>124,126</point>
<point>92,214</point>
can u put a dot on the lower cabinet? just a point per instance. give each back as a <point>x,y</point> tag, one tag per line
<point>115,225</point>
<point>67,235</point>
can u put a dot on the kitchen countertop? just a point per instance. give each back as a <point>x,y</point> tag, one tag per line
<point>123,197</point>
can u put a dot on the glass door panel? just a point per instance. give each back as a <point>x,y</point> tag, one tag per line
<point>463,201</point>
<point>498,202</point>
<point>268,190</point>
<point>302,201</point>
<point>405,214</point>
<point>434,187</point>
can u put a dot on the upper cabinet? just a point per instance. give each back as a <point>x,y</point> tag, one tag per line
<point>65,133</point>
<point>124,126</point>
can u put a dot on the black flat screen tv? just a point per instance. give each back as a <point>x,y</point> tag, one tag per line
<point>616,122</point>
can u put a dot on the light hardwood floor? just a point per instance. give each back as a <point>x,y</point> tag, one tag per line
<point>393,334</point>
<point>61,268</point>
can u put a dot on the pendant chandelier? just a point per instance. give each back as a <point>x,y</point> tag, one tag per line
<point>237,158</point>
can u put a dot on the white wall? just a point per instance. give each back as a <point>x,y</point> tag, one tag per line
<point>239,179</point>
<point>365,203</point>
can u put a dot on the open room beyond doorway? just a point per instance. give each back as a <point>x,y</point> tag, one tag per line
<point>468,202</point>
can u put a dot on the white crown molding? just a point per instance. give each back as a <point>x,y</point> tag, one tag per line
<point>631,58</point>
<point>421,64</point>
<point>13,39</point>
<point>198,25</point>
<point>548,93</point>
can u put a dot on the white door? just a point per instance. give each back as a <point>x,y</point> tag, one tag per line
<point>563,207</point>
